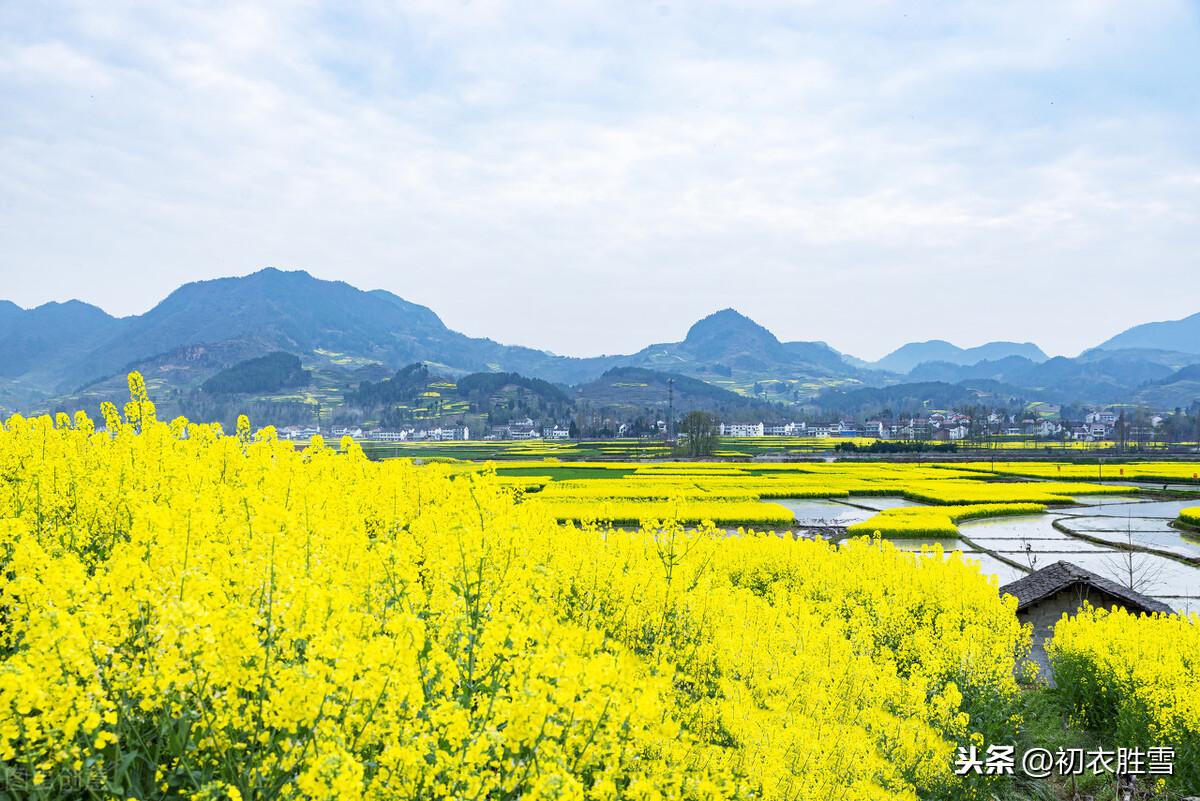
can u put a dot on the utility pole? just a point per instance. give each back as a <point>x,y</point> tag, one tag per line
<point>671,411</point>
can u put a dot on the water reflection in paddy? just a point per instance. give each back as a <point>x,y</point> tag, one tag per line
<point>1100,500</point>
<point>1116,523</point>
<point>1149,532</point>
<point>1017,527</point>
<point>811,512</point>
<point>1156,485</point>
<point>1165,509</point>
<point>881,501</point>
<point>1039,546</point>
<point>820,512</point>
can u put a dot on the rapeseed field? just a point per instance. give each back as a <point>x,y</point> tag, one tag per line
<point>189,613</point>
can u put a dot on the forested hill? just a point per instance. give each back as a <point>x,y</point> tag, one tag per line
<point>269,373</point>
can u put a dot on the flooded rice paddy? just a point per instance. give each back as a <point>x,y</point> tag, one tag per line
<point>1094,533</point>
<point>821,513</point>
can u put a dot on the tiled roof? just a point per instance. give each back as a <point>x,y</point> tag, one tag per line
<point>1059,576</point>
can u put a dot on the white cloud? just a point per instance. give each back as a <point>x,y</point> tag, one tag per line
<point>592,178</point>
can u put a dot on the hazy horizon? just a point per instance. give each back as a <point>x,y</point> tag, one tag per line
<point>594,179</point>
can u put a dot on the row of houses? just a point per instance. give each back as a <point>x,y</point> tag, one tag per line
<point>440,434</point>
<point>877,429</point>
<point>939,426</point>
<point>517,430</point>
<point>1096,427</point>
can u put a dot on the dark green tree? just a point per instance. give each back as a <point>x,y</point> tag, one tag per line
<point>699,430</point>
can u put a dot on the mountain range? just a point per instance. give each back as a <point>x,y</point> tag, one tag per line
<point>67,355</point>
<point>906,357</point>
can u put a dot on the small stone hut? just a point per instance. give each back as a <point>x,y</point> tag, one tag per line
<point>1044,595</point>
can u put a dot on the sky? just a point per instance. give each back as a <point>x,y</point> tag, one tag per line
<point>589,177</point>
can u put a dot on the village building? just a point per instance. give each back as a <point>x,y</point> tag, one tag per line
<point>1082,434</point>
<point>873,428</point>
<point>847,428</point>
<point>1045,595</point>
<point>741,429</point>
<point>299,432</point>
<point>1047,428</point>
<point>444,434</point>
<point>516,429</point>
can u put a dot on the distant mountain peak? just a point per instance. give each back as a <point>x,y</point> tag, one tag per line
<point>1174,335</point>
<point>270,272</point>
<point>71,306</point>
<point>724,323</point>
<point>9,312</point>
<point>7,307</point>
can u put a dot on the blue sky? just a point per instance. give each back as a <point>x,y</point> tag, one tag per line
<point>592,177</point>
